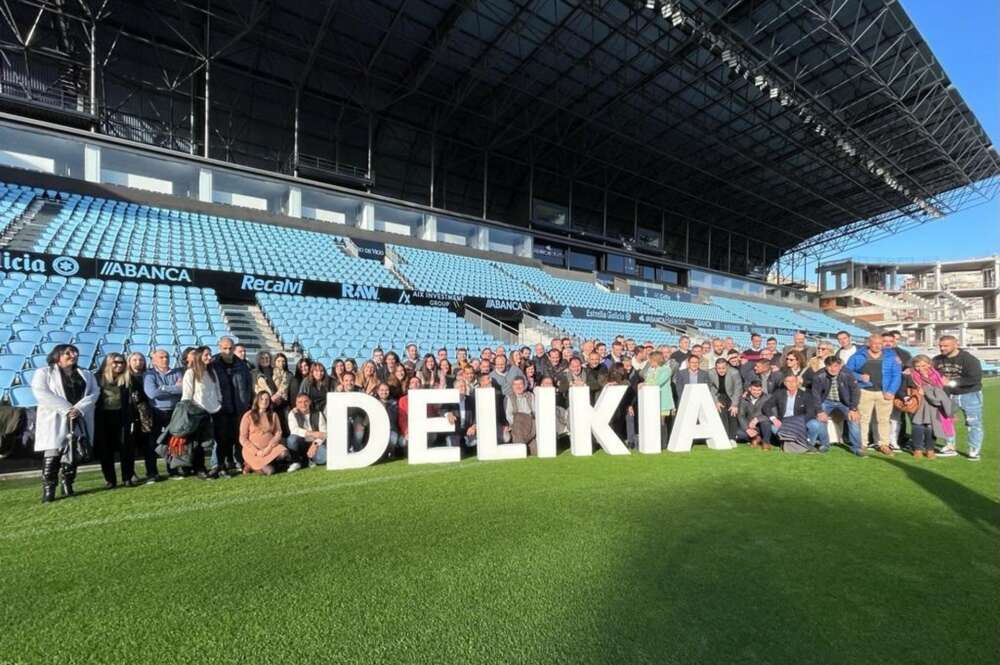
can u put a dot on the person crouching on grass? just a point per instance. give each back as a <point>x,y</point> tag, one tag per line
<point>260,436</point>
<point>307,432</point>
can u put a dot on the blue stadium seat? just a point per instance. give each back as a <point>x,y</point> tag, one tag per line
<point>33,335</point>
<point>25,376</point>
<point>62,337</point>
<point>295,317</point>
<point>20,347</point>
<point>22,396</point>
<point>105,228</point>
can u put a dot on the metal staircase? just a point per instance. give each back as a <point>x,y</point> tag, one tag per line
<point>532,330</point>
<point>253,330</point>
<point>21,233</point>
<point>916,301</point>
<point>542,297</point>
<point>879,299</point>
<point>392,261</point>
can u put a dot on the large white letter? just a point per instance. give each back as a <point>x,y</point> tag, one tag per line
<point>337,430</point>
<point>697,419</point>
<point>585,420</point>
<point>649,419</point>
<point>487,445</point>
<point>545,421</point>
<point>421,426</point>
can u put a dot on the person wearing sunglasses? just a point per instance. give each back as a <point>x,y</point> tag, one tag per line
<point>113,422</point>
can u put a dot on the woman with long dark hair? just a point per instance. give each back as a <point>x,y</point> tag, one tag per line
<point>337,372</point>
<point>260,436</point>
<point>317,385</point>
<point>428,371</point>
<point>444,374</point>
<point>529,376</point>
<point>384,394</point>
<point>66,395</point>
<point>391,363</point>
<point>300,374</point>
<point>202,389</point>
<point>398,380</point>
<point>283,382</point>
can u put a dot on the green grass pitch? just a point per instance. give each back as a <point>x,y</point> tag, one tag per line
<point>711,557</point>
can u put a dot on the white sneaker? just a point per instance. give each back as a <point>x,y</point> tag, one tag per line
<point>973,456</point>
<point>947,452</point>
<point>293,467</point>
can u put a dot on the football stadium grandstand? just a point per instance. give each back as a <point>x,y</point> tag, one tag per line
<point>145,239</point>
<point>331,180</point>
<point>398,201</point>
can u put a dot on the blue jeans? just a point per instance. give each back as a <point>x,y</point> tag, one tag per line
<point>853,429</point>
<point>299,446</point>
<point>971,405</point>
<point>813,428</point>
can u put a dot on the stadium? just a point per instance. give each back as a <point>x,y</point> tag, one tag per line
<point>574,204</point>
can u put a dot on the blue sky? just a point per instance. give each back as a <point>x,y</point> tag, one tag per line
<point>965,38</point>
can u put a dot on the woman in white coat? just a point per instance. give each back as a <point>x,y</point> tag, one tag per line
<point>65,393</point>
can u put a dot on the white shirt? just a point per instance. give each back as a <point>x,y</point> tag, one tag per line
<point>790,406</point>
<point>204,393</point>
<point>845,354</point>
<point>295,430</point>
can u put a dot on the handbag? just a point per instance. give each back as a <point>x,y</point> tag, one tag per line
<point>77,448</point>
<point>145,420</point>
<point>910,403</point>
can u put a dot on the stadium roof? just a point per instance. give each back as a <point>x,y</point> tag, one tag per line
<point>802,122</point>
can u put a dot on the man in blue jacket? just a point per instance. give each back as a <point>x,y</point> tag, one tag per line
<point>162,385</point>
<point>879,375</point>
<point>836,391</point>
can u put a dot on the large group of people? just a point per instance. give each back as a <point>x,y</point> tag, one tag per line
<point>214,415</point>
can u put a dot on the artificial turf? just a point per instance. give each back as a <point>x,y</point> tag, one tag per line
<point>711,557</point>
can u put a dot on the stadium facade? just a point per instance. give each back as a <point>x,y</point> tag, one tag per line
<point>743,137</point>
<point>925,298</point>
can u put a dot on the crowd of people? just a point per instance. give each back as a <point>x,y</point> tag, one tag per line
<point>218,414</point>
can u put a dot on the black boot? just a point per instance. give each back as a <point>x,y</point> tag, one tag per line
<point>50,476</point>
<point>68,476</point>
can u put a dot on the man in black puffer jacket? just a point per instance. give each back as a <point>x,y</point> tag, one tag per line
<point>236,389</point>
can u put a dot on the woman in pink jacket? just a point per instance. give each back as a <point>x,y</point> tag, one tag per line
<point>260,436</point>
